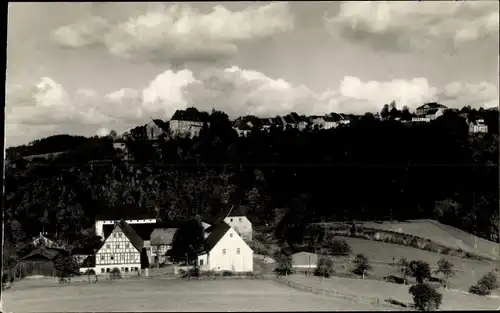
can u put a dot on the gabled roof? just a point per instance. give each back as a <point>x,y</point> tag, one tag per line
<point>162,236</point>
<point>432,105</point>
<point>130,233</point>
<point>238,211</point>
<point>432,111</point>
<point>45,253</point>
<point>216,235</point>
<point>289,119</point>
<point>127,211</point>
<point>277,120</point>
<point>89,261</point>
<point>144,230</point>
<point>190,114</point>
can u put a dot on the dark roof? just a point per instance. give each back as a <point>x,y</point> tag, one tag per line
<point>143,230</point>
<point>336,117</point>
<point>82,250</point>
<point>217,233</point>
<point>265,121</point>
<point>162,236</point>
<point>289,119</point>
<point>432,105</point>
<point>190,114</point>
<point>135,240</point>
<point>238,211</point>
<point>89,261</point>
<point>45,253</point>
<point>127,211</point>
<point>277,120</point>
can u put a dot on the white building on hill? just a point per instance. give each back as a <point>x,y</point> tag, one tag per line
<point>240,223</point>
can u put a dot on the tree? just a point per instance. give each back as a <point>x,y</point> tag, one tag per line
<point>362,265</point>
<point>385,111</point>
<point>284,264</point>
<point>425,297</point>
<point>405,114</point>
<point>187,243</point>
<point>421,270</point>
<point>485,285</point>
<point>403,268</point>
<point>446,268</point>
<point>339,247</point>
<point>65,268</point>
<point>324,267</point>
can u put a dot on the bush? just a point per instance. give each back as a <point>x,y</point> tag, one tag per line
<point>485,285</point>
<point>425,297</point>
<point>324,267</point>
<point>284,264</point>
<point>339,247</point>
<point>66,267</point>
<point>362,264</point>
<point>446,268</point>
<point>227,273</point>
<point>421,270</point>
<point>115,273</point>
<point>89,272</point>
<point>394,279</point>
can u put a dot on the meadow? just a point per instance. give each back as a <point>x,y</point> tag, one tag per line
<point>170,295</point>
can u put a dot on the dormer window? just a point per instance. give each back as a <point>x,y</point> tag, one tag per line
<point>240,219</point>
<point>231,220</point>
<point>230,235</point>
<point>224,251</point>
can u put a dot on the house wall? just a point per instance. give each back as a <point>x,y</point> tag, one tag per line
<point>231,260</point>
<point>158,252</point>
<point>99,224</point>
<point>182,128</point>
<point>242,226</point>
<point>117,251</point>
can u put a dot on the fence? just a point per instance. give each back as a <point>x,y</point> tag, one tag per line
<point>332,293</point>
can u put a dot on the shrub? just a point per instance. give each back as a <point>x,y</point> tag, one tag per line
<point>324,267</point>
<point>420,270</point>
<point>89,272</point>
<point>115,273</point>
<point>425,297</point>
<point>194,271</point>
<point>394,279</point>
<point>362,264</point>
<point>65,268</point>
<point>284,264</point>
<point>485,285</point>
<point>446,268</point>
<point>340,247</point>
<point>227,273</point>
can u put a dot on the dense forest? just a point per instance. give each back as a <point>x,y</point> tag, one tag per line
<point>368,170</point>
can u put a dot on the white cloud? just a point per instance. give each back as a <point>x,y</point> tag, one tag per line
<point>179,33</point>
<point>415,25</point>
<point>49,108</point>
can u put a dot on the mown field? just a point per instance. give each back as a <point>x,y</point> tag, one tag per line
<point>171,295</point>
<point>377,289</point>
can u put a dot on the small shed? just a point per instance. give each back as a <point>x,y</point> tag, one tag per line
<point>304,261</point>
<point>40,262</point>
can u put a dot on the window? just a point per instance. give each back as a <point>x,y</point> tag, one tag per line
<point>107,270</point>
<point>114,235</point>
<point>112,258</point>
<point>108,246</point>
<point>136,269</point>
<point>201,262</point>
<point>117,246</point>
<point>223,251</point>
<point>123,269</point>
<point>230,219</point>
<point>230,235</point>
<point>102,257</point>
<point>126,270</point>
<point>119,234</point>
<point>238,251</point>
<point>240,219</point>
<point>102,270</point>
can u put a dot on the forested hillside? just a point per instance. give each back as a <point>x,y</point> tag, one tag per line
<point>369,170</point>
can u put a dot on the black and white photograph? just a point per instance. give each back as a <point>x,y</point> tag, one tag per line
<point>251,156</point>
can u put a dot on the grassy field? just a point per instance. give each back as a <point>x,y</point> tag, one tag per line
<point>170,295</point>
<point>371,288</point>
<point>445,235</point>
<point>468,271</point>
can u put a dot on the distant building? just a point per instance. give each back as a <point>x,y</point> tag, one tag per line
<point>424,109</point>
<point>40,262</point>
<point>433,114</point>
<point>131,213</point>
<point>188,122</point>
<point>42,241</point>
<point>240,223</point>
<point>477,127</point>
<point>161,241</point>
<point>304,261</point>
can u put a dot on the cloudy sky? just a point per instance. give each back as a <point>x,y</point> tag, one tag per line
<point>82,68</point>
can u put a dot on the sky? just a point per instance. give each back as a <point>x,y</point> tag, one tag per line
<point>87,68</point>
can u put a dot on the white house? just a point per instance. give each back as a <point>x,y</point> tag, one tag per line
<point>240,223</point>
<point>188,122</point>
<point>131,213</point>
<point>121,249</point>
<point>225,250</point>
<point>478,126</point>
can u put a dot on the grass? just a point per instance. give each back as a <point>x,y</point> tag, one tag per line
<point>382,290</point>
<point>171,295</point>
<point>468,271</point>
<point>442,234</point>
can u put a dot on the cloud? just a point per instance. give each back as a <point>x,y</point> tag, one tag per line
<point>415,25</point>
<point>49,108</point>
<point>177,34</point>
